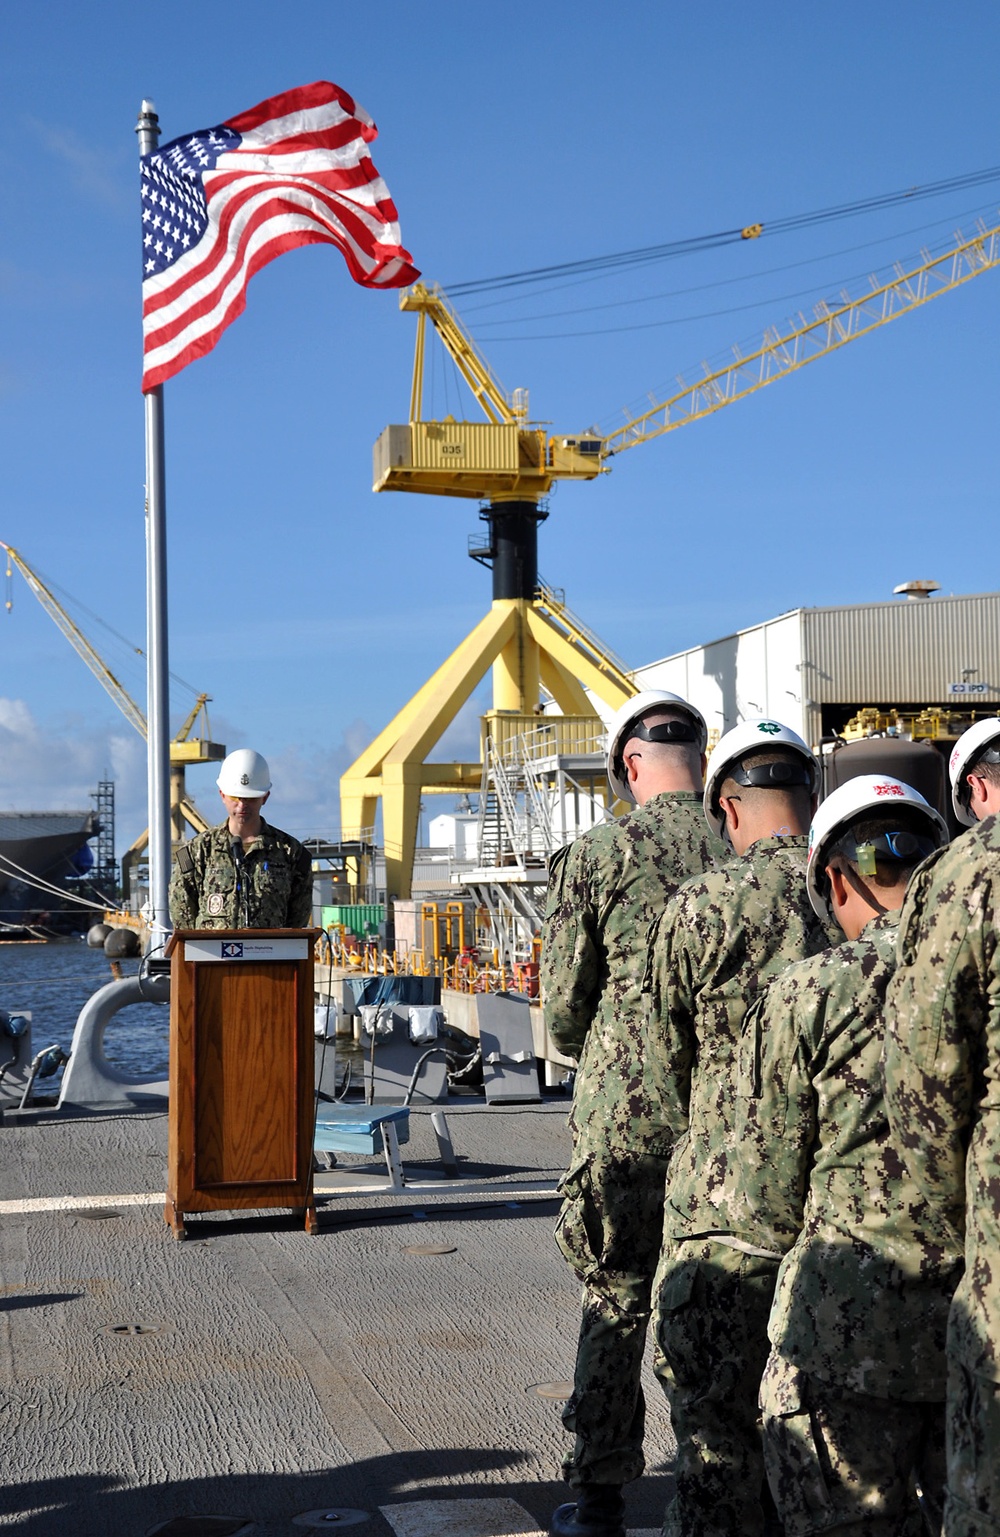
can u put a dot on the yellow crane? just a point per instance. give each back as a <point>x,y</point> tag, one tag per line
<point>530,639</point>
<point>185,749</point>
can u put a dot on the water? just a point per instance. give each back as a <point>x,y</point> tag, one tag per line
<point>54,981</point>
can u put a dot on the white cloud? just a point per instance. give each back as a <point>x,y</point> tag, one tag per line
<point>56,766</point>
<point>15,718</point>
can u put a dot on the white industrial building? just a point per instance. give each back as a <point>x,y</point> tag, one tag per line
<point>815,668</point>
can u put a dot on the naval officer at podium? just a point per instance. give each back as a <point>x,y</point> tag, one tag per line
<point>243,874</point>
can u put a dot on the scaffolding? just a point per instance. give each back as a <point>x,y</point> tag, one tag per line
<point>543,785</point>
<point>105,873</point>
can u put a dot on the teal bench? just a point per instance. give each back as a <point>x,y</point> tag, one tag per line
<point>365,1129</point>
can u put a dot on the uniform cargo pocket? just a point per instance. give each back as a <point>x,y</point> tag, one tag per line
<point>578,1232</point>
<point>677,1289</point>
<point>794,1453</point>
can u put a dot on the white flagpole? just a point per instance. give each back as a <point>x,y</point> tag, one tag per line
<point>157,664</point>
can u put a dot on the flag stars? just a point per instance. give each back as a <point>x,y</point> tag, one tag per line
<point>174,203</point>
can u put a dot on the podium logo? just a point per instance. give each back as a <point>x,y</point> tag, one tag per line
<point>232,949</point>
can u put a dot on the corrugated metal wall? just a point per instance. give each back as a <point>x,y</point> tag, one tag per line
<point>903,652</point>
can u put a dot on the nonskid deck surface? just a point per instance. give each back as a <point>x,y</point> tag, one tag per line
<point>254,1372</point>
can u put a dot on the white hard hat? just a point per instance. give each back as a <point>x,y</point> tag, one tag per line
<point>875,794</point>
<point>244,774</point>
<point>971,747</point>
<point>626,717</point>
<point>753,736</point>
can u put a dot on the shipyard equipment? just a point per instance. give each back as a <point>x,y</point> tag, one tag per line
<point>185,748</point>
<point>511,463</point>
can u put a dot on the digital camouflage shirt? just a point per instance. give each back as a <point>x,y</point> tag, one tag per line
<point>604,893</point>
<point>942,1068</point>
<point>721,940</point>
<point>277,874</point>
<point>866,1282</point>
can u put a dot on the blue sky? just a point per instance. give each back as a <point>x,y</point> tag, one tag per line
<point>311,609</point>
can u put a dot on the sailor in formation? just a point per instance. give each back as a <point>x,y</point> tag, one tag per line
<point>718,943</point>
<point>942,1072</point>
<point>604,892</point>
<point>243,874</point>
<point>738,1052</point>
<point>853,1392</point>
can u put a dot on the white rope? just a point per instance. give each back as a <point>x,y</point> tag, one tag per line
<point>38,884</point>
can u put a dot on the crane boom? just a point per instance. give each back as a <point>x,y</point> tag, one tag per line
<point>81,645</point>
<point>832,327</point>
<point>509,457</point>
<point>476,372</point>
<point>183,748</point>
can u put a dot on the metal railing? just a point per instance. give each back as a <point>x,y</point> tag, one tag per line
<point>530,738</point>
<point>579,634</point>
<point>461,974</point>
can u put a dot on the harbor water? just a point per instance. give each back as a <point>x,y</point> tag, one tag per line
<point>54,980</point>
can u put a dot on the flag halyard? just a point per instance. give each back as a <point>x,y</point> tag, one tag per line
<point>221,203</point>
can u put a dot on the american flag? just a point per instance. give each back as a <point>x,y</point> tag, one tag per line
<point>219,204</point>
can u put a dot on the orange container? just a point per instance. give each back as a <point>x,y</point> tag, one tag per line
<point>526,978</point>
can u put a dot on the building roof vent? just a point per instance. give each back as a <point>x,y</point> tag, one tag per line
<point>917,589</point>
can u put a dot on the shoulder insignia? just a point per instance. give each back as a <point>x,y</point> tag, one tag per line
<point>185,862</point>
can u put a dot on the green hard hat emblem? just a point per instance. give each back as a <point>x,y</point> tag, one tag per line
<point>770,726</point>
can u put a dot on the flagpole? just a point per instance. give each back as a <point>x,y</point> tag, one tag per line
<point>157,663</point>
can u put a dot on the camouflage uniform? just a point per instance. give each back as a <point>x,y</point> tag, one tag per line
<point>853,1393</point>
<point>277,873</point>
<point>941,1072</point>
<point>604,894</point>
<point>719,943</point>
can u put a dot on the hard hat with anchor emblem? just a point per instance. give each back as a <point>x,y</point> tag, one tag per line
<point>244,774</point>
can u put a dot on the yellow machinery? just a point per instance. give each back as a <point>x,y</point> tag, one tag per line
<point>185,749</point>
<point>530,641</point>
<point>930,725</point>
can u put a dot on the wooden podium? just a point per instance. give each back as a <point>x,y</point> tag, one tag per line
<point>241,1072</point>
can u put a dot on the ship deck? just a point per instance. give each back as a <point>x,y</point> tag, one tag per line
<point>253,1376</point>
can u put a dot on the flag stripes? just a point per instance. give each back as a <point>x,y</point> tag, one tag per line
<point>222,203</point>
